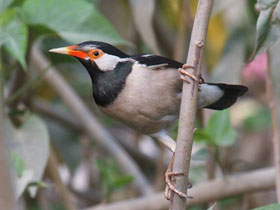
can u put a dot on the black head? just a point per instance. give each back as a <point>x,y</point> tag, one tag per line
<point>94,55</point>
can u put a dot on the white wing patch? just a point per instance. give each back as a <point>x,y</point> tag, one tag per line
<point>158,66</point>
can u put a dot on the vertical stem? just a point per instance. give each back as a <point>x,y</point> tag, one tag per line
<point>7,199</point>
<point>188,104</point>
<point>275,124</point>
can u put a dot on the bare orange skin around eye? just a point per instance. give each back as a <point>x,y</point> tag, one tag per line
<point>95,54</point>
<point>92,54</point>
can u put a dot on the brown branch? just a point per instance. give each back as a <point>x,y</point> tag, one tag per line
<point>90,124</point>
<point>67,120</point>
<point>52,171</point>
<point>257,180</point>
<point>55,114</point>
<point>188,103</point>
<point>275,124</point>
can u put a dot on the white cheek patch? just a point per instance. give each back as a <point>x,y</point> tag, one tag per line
<point>107,62</point>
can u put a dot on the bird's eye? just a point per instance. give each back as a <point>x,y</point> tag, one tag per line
<point>94,54</point>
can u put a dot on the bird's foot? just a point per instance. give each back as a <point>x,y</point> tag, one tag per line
<point>170,186</point>
<point>184,73</point>
<point>168,180</point>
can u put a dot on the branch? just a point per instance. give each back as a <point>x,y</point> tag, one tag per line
<point>55,114</point>
<point>67,120</point>
<point>90,124</point>
<point>188,104</point>
<point>275,125</point>
<point>257,180</point>
<point>52,170</point>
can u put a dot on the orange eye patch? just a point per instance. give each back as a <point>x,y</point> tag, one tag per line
<point>95,54</point>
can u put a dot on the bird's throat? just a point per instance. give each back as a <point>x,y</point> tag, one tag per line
<point>107,85</point>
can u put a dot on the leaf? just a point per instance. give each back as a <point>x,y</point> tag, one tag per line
<point>31,143</point>
<point>202,136</point>
<point>259,121</point>
<point>75,21</point>
<point>17,163</point>
<point>122,181</point>
<point>4,4</point>
<point>13,35</point>
<point>268,25</point>
<point>269,207</point>
<point>220,129</point>
<point>143,12</point>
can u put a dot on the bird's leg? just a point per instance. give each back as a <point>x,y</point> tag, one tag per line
<point>184,73</point>
<point>164,138</point>
<point>169,186</point>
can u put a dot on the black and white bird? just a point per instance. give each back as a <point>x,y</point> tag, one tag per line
<point>144,91</point>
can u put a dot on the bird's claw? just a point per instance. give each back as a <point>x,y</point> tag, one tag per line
<point>184,73</point>
<point>170,186</point>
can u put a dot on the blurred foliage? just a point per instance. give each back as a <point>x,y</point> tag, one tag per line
<point>269,207</point>
<point>111,178</point>
<point>13,34</point>
<point>268,25</point>
<point>237,29</point>
<point>29,146</point>
<point>17,163</point>
<point>259,121</point>
<point>218,131</point>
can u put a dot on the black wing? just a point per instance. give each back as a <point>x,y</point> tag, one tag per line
<point>155,61</point>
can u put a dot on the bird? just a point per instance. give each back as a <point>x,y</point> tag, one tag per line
<point>144,91</point>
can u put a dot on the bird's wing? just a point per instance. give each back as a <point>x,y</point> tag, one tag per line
<point>156,62</point>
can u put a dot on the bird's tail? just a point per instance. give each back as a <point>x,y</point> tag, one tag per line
<point>230,95</point>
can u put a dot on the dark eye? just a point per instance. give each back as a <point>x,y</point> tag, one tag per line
<point>96,53</point>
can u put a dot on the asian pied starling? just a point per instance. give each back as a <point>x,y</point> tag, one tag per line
<point>144,91</point>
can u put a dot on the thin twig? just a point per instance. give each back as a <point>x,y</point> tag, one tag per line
<point>90,124</point>
<point>275,124</point>
<point>257,180</point>
<point>188,103</point>
<point>52,170</point>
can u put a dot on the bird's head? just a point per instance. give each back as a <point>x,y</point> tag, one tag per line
<point>94,55</point>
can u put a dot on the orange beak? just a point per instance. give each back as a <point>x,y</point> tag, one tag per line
<point>71,50</point>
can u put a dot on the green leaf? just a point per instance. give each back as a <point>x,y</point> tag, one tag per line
<point>13,35</point>
<point>259,121</point>
<point>75,21</point>
<point>122,181</point>
<point>202,136</point>
<point>269,207</point>
<point>268,25</point>
<point>4,4</point>
<point>17,163</point>
<point>220,129</point>
<point>31,143</point>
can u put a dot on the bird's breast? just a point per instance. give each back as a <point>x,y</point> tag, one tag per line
<point>148,101</point>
